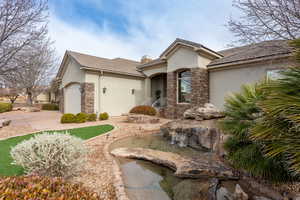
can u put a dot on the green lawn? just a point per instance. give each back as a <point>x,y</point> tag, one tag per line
<point>6,169</point>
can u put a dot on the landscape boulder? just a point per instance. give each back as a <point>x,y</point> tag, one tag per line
<point>208,111</point>
<point>4,122</point>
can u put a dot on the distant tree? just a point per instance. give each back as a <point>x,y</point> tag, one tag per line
<point>266,20</point>
<point>22,22</point>
<point>11,93</point>
<point>39,63</point>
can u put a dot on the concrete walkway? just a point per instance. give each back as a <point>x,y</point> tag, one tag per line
<point>28,122</point>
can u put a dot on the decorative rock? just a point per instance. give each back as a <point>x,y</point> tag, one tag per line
<point>239,193</point>
<point>195,134</point>
<point>142,119</point>
<point>224,194</point>
<point>4,122</point>
<point>209,111</point>
<point>183,167</point>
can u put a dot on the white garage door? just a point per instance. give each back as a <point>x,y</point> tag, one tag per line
<point>72,99</point>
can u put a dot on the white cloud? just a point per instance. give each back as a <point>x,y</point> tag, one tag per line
<point>150,30</point>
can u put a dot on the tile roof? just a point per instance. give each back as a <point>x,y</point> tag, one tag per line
<point>116,65</point>
<point>260,51</point>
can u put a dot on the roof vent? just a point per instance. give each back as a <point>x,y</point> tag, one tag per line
<point>145,59</point>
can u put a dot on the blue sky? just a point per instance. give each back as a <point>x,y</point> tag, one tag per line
<point>133,28</point>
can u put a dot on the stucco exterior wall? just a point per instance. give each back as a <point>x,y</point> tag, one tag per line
<point>183,58</point>
<point>72,73</point>
<point>223,82</point>
<point>153,70</point>
<point>118,98</point>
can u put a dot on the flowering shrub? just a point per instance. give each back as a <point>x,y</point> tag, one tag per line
<point>103,116</point>
<point>92,117</point>
<point>81,117</point>
<point>34,187</point>
<point>144,110</point>
<point>50,154</point>
<point>68,118</point>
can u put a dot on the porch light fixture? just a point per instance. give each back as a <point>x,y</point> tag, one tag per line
<point>132,91</point>
<point>104,90</point>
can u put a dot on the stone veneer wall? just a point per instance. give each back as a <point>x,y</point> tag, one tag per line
<point>61,100</point>
<point>87,97</point>
<point>199,92</point>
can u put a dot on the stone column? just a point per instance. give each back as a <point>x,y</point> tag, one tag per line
<point>87,97</point>
<point>199,86</point>
<point>171,95</point>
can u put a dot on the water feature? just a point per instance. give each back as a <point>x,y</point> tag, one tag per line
<point>147,181</point>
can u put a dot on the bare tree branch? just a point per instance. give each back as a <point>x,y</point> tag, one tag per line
<point>21,23</point>
<point>266,20</point>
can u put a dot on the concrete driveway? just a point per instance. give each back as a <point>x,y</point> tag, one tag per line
<point>28,122</point>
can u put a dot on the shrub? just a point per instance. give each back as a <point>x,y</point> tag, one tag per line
<point>68,118</point>
<point>50,106</point>
<point>81,117</point>
<point>50,154</point>
<point>5,107</point>
<point>242,113</point>
<point>35,187</point>
<point>92,117</point>
<point>103,116</point>
<point>144,110</point>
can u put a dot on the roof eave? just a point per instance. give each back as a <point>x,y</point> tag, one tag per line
<point>111,71</point>
<point>243,62</point>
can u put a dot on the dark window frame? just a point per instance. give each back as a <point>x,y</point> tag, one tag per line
<point>184,78</point>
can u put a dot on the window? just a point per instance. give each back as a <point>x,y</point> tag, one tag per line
<point>184,87</point>
<point>274,74</point>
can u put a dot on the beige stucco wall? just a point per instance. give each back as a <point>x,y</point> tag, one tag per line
<point>157,69</point>
<point>223,82</point>
<point>118,98</point>
<point>72,73</point>
<point>182,58</point>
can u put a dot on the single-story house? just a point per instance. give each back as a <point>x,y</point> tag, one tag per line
<point>186,74</point>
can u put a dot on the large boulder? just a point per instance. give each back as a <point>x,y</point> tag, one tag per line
<point>183,167</point>
<point>208,111</point>
<point>195,134</point>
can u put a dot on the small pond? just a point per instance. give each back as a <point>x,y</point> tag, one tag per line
<point>145,180</point>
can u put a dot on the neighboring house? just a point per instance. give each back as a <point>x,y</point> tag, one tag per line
<point>186,74</point>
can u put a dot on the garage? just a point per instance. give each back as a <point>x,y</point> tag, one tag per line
<point>72,98</point>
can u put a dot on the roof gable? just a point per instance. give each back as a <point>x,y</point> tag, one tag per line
<point>193,45</point>
<point>117,65</point>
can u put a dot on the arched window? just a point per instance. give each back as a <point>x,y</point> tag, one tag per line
<point>184,86</point>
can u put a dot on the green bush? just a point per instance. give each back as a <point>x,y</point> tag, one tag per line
<point>5,107</point>
<point>144,110</point>
<point>81,117</point>
<point>92,117</point>
<point>50,106</point>
<point>242,113</point>
<point>35,187</point>
<point>103,116</point>
<point>68,118</point>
